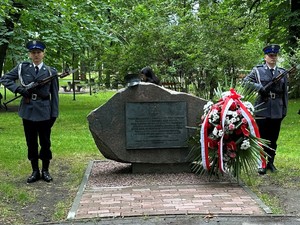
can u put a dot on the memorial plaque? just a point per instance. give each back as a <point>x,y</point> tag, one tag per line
<point>156,125</point>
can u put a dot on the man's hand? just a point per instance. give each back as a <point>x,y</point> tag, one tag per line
<point>264,92</point>
<point>23,91</point>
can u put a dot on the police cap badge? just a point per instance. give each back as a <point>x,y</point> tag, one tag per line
<point>271,49</point>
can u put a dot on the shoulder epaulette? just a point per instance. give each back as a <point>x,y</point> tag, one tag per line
<point>25,63</point>
<point>52,68</point>
<point>260,66</point>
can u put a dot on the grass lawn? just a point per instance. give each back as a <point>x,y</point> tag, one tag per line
<point>287,161</point>
<point>73,146</point>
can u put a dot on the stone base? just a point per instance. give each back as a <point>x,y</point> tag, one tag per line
<point>161,168</point>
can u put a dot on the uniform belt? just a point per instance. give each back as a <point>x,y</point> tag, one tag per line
<point>274,95</point>
<point>35,97</point>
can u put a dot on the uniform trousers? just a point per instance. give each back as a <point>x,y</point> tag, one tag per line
<point>38,132</point>
<point>269,129</point>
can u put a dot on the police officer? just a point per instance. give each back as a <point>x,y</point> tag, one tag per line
<point>38,108</point>
<point>271,103</point>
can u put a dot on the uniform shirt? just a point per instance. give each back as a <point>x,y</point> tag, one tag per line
<point>273,108</point>
<point>35,110</point>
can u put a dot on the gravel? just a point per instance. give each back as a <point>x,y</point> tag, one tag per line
<point>116,174</point>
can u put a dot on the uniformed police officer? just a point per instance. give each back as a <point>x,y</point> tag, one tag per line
<point>271,103</point>
<point>38,108</point>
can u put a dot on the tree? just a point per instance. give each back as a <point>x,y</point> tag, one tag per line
<point>294,27</point>
<point>191,42</point>
<point>9,17</point>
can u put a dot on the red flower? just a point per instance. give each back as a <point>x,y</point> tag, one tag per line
<point>238,131</point>
<point>233,106</point>
<point>245,130</point>
<point>219,127</point>
<point>232,154</point>
<point>244,121</point>
<point>231,146</point>
<point>212,143</point>
<point>231,126</point>
<point>226,136</point>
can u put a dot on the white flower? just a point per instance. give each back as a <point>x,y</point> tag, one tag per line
<point>227,120</point>
<point>234,114</point>
<point>233,120</point>
<point>229,112</point>
<point>246,144</point>
<point>215,132</point>
<point>214,116</point>
<point>207,106</point>
<point>220,133</point>
<point>214,111</point>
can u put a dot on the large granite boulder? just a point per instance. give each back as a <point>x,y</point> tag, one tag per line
<point>147,125</point>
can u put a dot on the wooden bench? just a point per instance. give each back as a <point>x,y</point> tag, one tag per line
<point>172,85</point>
<point>66,89</point>
<point>79,87</point>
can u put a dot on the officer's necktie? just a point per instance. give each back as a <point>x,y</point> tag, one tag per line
<point>272,71</point>
<point>36,69</point>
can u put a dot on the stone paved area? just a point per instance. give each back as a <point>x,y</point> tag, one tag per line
<point>166,200</point>
<point>209,199</point>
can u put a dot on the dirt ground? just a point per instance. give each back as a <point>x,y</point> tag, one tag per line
<point>47,198</point>
<point>288,198</point>
<point>48,195</point>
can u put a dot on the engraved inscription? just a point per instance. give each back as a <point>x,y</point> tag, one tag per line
<point>156,125</point>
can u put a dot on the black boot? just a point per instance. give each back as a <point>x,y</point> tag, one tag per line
<point>35,176</point>
<point>262,171</point>
<point>45,171</point>
<point>270,164</point>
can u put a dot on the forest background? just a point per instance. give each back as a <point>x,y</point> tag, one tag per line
<point>195,43</point>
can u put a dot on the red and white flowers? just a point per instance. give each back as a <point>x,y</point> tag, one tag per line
<point>229,136</point>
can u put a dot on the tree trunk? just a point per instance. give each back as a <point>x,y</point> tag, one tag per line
<point>294,28</point>
<point>3,49</point>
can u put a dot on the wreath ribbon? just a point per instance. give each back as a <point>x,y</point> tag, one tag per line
<point>252,124</point>
<point>227,101</point>
<point>253,130</point>
<point>204,142</point>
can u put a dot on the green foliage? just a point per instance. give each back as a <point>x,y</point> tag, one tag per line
<point>194,43</point>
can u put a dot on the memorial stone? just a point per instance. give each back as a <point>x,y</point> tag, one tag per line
<point>147,125</point>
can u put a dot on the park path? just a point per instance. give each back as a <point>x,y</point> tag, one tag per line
<point>208,199</point>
